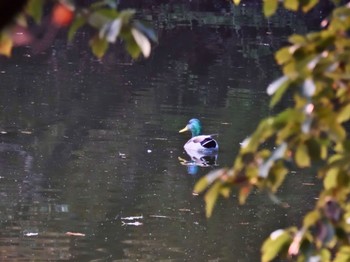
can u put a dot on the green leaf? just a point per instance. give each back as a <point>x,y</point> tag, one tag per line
<point>6,45</point>
<point>279,93</point>
<point>149,32</point>
<point>97,19</point>
<point>278,242</point>
<point>244,193</point>
<point>314,149</point>
<point>98,46</point>
<point>207,180</point>
<point>291,4</point>
<point>311,218</point>
<point>307,5</point>
<point>343,254</point>
<point>302,157</point>
<point>142,41</point>
<point>331,179</point>
<point>297,39</point>
<point>211,197</point>
<point>283,55</point>
<point>133,49</point>
<point>35,9</point>
<point>201,185</point>
<point>277,175</point>
<point>127,15</point>
<point>225,191</point>
<point>78,22</point>
<point>270,7</point>
<point>277,154</point>
<point>325,254</point>
<point>275,85</point>
<point>337,132</point>
<point>344,114</point>
<point>108,13</point>
<point>111,30</point>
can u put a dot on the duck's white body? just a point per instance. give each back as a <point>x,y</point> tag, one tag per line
<point>202,143</point>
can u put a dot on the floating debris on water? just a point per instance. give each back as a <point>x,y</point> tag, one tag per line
<point>75,234</point>
<point>132,218</point>
<point>136,223</point>
<point>30,234</point>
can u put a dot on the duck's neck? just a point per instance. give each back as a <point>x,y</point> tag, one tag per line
<point>196,131</point>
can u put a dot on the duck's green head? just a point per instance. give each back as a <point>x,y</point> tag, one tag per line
<point>194,125</point>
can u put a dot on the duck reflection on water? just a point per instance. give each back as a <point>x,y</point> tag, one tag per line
<point>197,160</point>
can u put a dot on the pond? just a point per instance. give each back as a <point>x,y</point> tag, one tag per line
<point>93,167</point>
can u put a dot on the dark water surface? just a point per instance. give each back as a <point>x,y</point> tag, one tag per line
<point>86,143</point>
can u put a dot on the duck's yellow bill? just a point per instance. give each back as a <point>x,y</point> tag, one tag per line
<point>184,129</point>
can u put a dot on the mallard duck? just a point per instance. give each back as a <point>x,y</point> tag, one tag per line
<point>199,143</point>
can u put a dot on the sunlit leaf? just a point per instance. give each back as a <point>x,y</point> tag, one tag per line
<point>97,19</point>
<point>309,88</point>
<point>225,191</point>
<point>78,22</point>
<point>278,174</point>
<point>343,254</point>
<point>287,116</point>
<point>244,193</point>
<point>279,93</point>
<point>275,85</point>
<point>325,255</point>
<point>291,4</point>
<point>283,55</point>
<point>262,132</point>
<point>270,7</point>
<point>344,114</point>
<point>127,15</point>
<point>308,5</point>
<point>278,153</point>
<point>207,180</point>
<point>311,218</point>
<point>35,9</point>
<point>133,48</point>
<point>6,45</point>
<point>201,185</point>
<point>108,13</point>
<point>142,41</point>
<point>211,197</point>
<point>148,31</point>
<point>337,131</point>
<point>331,179</point>
<point>110,31</point>
<point>313,63</point>
<point>278,242</point>
<point>302,157</point>
<point>98,46</point>
<point>297,39</point>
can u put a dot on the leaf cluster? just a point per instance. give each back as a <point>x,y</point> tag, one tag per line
<point>108,23</point>
<point>316,73</point>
